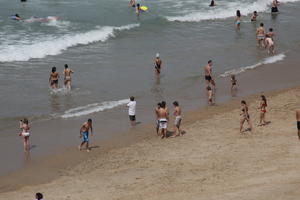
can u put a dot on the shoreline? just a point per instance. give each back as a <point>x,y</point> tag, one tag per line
<point>54,167</point>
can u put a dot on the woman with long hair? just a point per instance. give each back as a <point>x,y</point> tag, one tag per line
<point>263,109</point>
<point>245,116</point>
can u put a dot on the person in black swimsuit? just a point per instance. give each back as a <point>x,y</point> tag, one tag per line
<point>298,122</point>
<point>274,6</point>
<point>157,64</point>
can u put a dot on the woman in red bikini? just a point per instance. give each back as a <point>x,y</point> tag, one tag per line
<point>263,109</point>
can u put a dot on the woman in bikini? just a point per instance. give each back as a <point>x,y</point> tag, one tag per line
<point>53,79</point>
<point>67,80</point>
<point>245,116</point>
<point>24,127</point>
<point>238,19</point>
<point>262,107</point>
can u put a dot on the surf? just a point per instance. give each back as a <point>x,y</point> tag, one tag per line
<point>225,10</point>
<point>51,46</point>
<point>93,108</point>
<point>269,60</point>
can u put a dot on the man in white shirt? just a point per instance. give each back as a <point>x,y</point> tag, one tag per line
<point>131,110</point>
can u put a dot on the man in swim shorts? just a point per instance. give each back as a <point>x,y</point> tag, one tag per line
<point>163,117</point>
<point>260,35</point>
<point>157,64</point>
<point>157,117</point>
<point>208,74</point>
<point>298,122</point>
<point>84,134</point>
<point>178,119</point>
<point>67,79</point>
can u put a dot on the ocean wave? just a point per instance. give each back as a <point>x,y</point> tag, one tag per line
<point>225,11</point>
<point>268,60</point>
<point>93,108</point>
<point>55,46</point>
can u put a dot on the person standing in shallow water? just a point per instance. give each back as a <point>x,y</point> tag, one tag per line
<point>157,64</point>
<point>53,79</point>
<point>131,111</point>
<point>24,127</point>
<point>67,79</point>
<point>212,3</point>
<point>274,8</point>
<point>238,19</point>
<point>244,116</point>
<point>208,74</point>
<point>260,35</point>
<point>254,16</point>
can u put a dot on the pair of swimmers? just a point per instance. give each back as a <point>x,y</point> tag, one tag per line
<point>265,40</point>
<point>54,77</point>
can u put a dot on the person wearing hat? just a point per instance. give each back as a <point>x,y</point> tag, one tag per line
<point>157,64</point>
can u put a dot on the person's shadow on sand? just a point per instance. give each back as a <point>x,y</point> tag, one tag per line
<point>171,134</point>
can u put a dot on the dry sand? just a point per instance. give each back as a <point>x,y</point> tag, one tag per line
<point>211,161</point>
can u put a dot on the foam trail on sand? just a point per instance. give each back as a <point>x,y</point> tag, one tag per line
<point>55,45</point>
<point>93,108</point>
<point>268,60</point>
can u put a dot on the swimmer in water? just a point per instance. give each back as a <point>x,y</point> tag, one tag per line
<point>157,64</point>
<point>16,17</point>
<point>238,19</point>
<point>254,16</point>
<point>274,8</point>
<point>271,33</point>
<point>260,35</point>
<point>212,3</point>
<point>132,3</point>
<point>53,79</point>
<point>270,44</point>
<point>137,9</point>
<point>67,79</point>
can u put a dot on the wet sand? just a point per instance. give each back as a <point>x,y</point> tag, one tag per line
<point>211,161</point>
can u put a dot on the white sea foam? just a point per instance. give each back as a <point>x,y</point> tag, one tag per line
<point>268,60</point>
<point>93,108</point>
<point>55,45</point>
<point>226,10</point>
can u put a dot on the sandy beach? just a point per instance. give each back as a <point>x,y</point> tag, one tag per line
<point>211,161</point>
